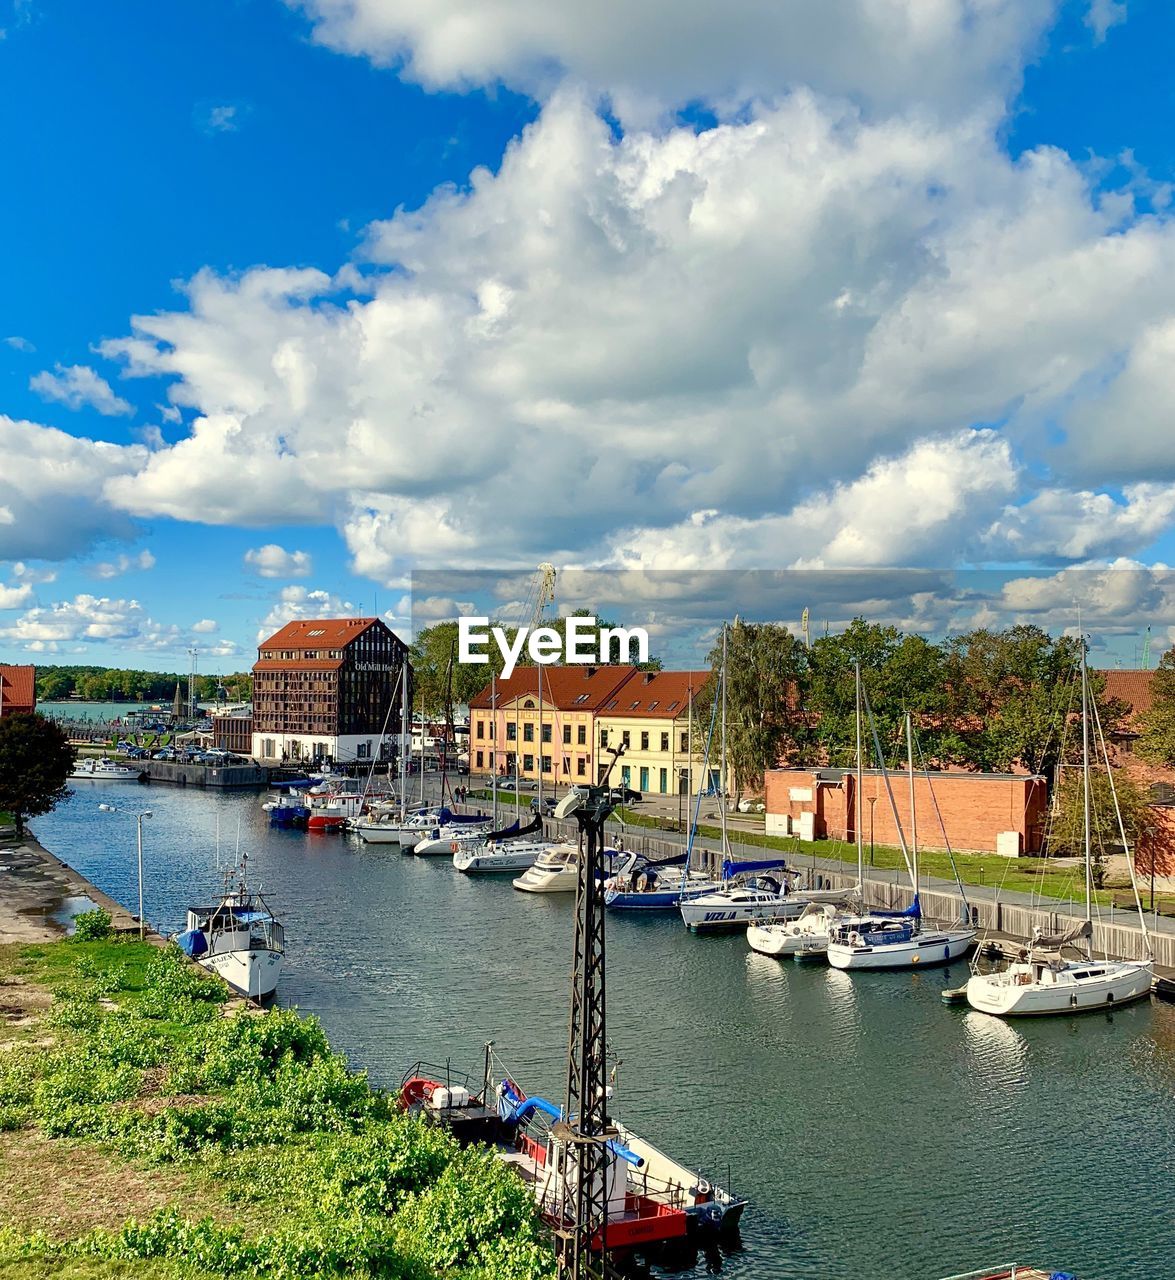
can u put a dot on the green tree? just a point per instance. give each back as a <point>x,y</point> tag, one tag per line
<point>35,762</point>
<point>1157,740</point>
<point>1067,827</point>
<point>53,684</point>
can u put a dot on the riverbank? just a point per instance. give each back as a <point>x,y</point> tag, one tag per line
<point>38,892</point>
<point>151,1128</point>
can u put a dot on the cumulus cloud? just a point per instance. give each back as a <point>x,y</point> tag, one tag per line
<point>85,617</point>
<point>295,602</point>
<point>274,561</point>
<point>887,54</point>
<point>51,486</point>
<point>77,386</point>
<point>124,564</point>
<point>206,626</point>
<point>15,597</point>
<point>1102,15</point>
<point>17,343</point>
<point>645,328</point>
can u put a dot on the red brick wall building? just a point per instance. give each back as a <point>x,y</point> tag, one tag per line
<point>975,807</point>
<point>18,690</point>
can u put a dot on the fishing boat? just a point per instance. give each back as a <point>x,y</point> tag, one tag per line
<point>652,1198</point>
<point>238,938</point>
<point>555,870</point>
<point>896,940</point>
<point>105,770</point>
<point>746,897</point>
<point>1058,972</point>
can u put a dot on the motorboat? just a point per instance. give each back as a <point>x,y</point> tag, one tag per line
<point>1012,1271</point>
<point>555,870</point>
<point>745,897</point>
<point>509,855</point>
<point>1044,979</point>
<point>653,1199</point>
<point>104,770</point>
<point>286,807</point>
<point>898,941</point>
<point>807,934</point>
<point>238,938</point>
<point>443,841</point>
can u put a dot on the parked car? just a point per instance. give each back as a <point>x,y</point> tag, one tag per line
<point>165,753</point>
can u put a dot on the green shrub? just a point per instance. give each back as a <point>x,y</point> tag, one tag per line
<point>92,926</point>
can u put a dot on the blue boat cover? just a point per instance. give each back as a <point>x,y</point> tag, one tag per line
<point>192,943</point>
<point>732,868</point>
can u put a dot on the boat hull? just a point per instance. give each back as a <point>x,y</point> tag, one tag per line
<point>1111,983</point>
<point>254,973</point>
<point>932,947</point>
<point>480,860</point>
<point>703,917</point>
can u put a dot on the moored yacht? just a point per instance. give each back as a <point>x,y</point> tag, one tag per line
<point>104,770</point>
<point>555,870</point>
<point>745,898</point>
<point>898,941</point>
<point>807,934</point>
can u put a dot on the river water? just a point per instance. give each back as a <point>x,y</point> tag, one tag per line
<point>878,1134</point>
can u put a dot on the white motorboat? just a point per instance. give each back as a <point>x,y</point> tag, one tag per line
<point>509,855</point>
<point>239,939</point>
<point>555,870</point>
<point>104,771</point>
<point>1045,981</point>
<point>807,934</point>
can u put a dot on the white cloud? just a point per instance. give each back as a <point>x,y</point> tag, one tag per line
<point>169,413</point>
<point>628,332</point>
<point>295,602</point>
<point>77,386</point>
<point>32,574</point>
<point>273,561</point>
<point>17,343</point>
<point>86,617</point>
<point>886,53</point>
<point>15,597</point>
<point>221,119</point>
<point>51,485</point>
<point>1102,15</point>
<point>206,626</point>
<point>124,564</point>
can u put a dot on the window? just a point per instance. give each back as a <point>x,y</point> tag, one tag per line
<point>624,737</point>
<point>685,741</point>
<point>581,735</point>
<point>511,731</point>
<point>566,764</point>
<point>527,763</point>
<point>528,733</point>
<point>644,778</point>
<point>626,775</point>
<point>644,740</point>
<point>317,632</point>
<point>664,742</point>
<point>481,728</point>
<point>546,764</point>
<point>479,760</point>
<point>361,751</point>
<point>583,697</point>
<point>653,705</point>
<point>580,767</point>
<point>671,705</point>
<point>567,735</point>
<point>664,781</point>
<point>636,703</point>
<point>546,733</point>
<point>603,737</point>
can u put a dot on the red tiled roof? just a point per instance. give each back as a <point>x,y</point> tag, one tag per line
<point>18,688</point>
<point>318,633</point>
<point>657,694</point>
<point>298,664</point>
<point>1132,687</point>
<point>563,687</point>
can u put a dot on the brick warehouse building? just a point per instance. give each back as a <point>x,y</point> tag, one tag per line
<point>18,690</point>
<point>322,690</point>
<point>982,812</point>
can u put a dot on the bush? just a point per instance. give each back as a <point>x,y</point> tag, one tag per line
<point>91,926</point>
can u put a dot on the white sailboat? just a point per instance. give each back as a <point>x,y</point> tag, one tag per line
<point>896,941</point>
<point>759,899</point>
<point>1046,980</point>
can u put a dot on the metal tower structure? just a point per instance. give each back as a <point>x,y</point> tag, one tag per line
<point>581,1234</point>
<point>192,653</point>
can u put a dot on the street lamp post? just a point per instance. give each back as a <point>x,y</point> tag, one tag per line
<point>139,816</point>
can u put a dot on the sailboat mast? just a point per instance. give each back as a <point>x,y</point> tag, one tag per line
<point>913,806</point>
<point>722,779</point>
<point>860,783</point>
<point>422,751</point>
<point>405,726</point>
<point>540,669</point>
<point>1085,783</point>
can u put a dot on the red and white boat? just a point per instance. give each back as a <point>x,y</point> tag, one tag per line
<point>652,1198</point>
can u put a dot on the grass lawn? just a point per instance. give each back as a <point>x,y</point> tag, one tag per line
<point>6,819</point>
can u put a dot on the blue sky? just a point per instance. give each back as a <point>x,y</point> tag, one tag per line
<point>629,343</point>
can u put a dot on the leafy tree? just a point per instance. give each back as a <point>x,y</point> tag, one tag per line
<point>432,651</point>
<point>1157,740</point>
<point>35,762</point>
<point>1067,829</point>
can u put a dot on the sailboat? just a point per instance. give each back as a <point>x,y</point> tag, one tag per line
<point>807,935</point>
<point>896,940</point>
<point>1046,980</point>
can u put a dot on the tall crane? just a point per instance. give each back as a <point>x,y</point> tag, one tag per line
<point>1146,651</point>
